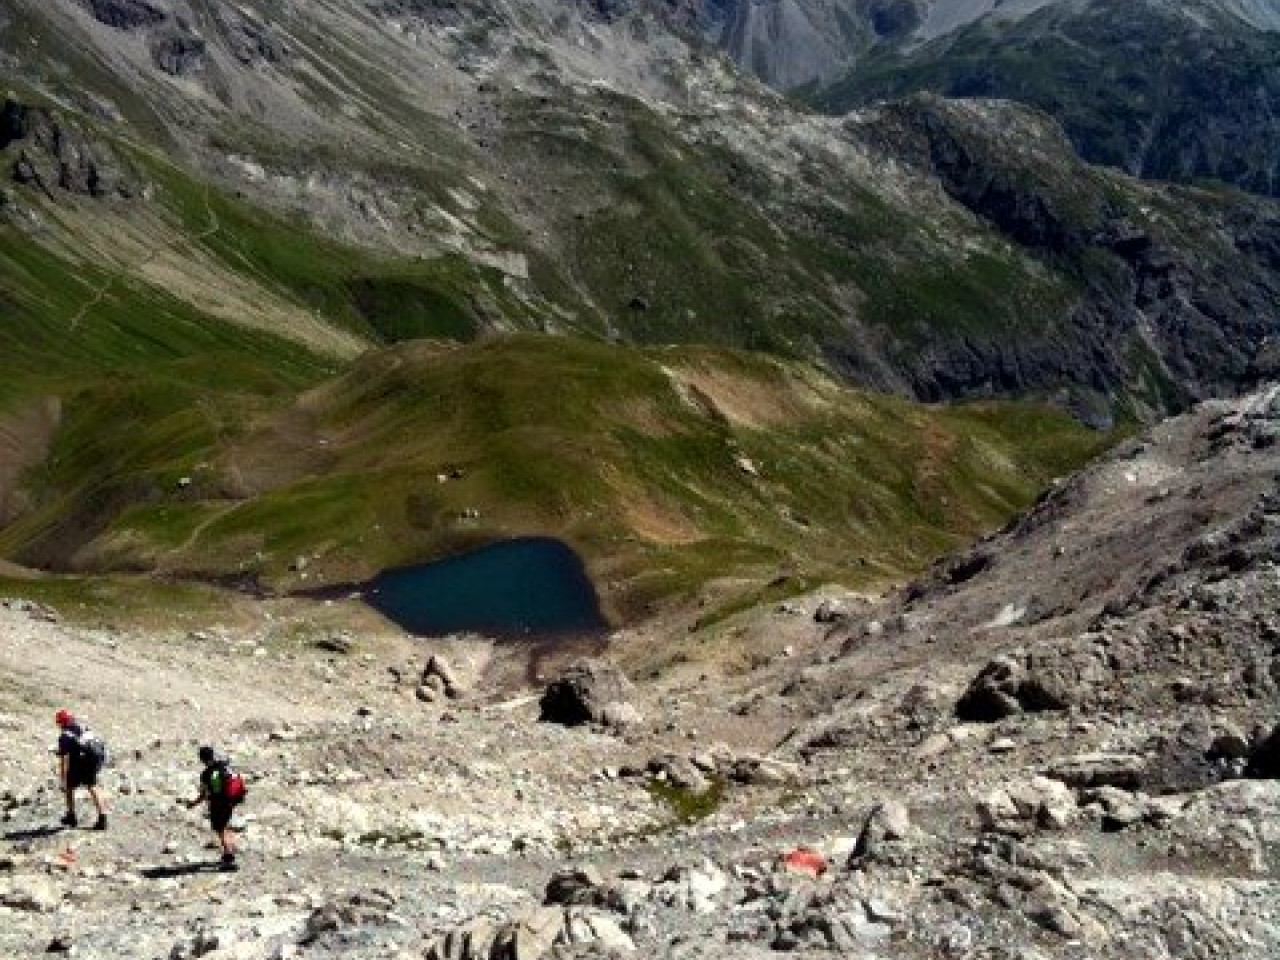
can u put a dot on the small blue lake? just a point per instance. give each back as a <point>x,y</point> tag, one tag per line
<point>530,587</point>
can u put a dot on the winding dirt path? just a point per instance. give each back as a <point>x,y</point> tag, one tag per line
<point>101,293</point>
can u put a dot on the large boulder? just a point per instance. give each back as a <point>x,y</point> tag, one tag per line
<point>438,680</point>
<point>1020,808</point>
<point>679,772</point>
<point>1045,677</point>
<point>589,691</point>
<point>831,610</point>
<point>887,825</point>
<point>1086,771</point>
<point>575,886</point>
<point>532,935</point>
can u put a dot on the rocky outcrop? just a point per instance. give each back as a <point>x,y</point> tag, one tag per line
<point>126,14</point>
<point>53,155</point>
<point>178,52</point>
<point>590,692</point>
<point>1206,311</point>
<point>250,40</point>
<point>1181,91</point>
<point>1046,678</point>
<point>178,48</point>
<point>532,936</point>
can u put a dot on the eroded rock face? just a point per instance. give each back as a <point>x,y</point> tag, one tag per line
<point>1044,678</point>
<point>1199,311</point>
<point>589,691</point>
<point>179,52</point>
<point>53,155</point>
<point>250,40</point>
<point>125,14</point>
<point>17,122</point>
<point>178,48</point>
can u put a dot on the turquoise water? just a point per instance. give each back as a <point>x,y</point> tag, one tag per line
<point>531,587</point>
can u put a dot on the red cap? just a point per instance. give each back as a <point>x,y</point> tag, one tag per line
<point>63,718</point>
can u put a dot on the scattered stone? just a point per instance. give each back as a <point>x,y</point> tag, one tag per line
<point>1100,770</point>
<point>888,822</point>
<point>679,772</point>
<point>695,888</point>
<point>831,611</point>
<point>31,894</point>
<point>1056,919</point>
<point>535,933</point>
<point>759,771</point>
<point>340,643</point>
<point>575,887</point>
<point>598,929</point>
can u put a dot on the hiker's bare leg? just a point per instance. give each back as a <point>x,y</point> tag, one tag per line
<point>96,797</point>
<point>70,794</point>
<point>227,839</point>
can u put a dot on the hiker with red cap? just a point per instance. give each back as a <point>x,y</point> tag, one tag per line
<point>81,757</point>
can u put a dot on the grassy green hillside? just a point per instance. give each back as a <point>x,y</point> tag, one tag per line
<point>196,386</point>
<point>665,467</point>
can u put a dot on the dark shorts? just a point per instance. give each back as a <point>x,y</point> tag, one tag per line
<point>219,816</point>
<point>81,778</point>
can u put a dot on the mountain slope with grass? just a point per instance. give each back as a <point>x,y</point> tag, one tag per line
<point>271,269</point>
<point>349,175</point>
<point>665,467</point>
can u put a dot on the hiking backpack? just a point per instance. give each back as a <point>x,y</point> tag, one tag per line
<point>235,788</point>
<point>231,785</point>
<point>91,751</point>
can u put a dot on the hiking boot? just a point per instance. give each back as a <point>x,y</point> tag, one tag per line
<point>102,822</point>
<point>229,862</point>
<point>70,820</point>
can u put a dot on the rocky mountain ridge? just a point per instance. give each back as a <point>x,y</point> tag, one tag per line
<point>1176,91</point>
<point>794,43</point>
<point>1171,91</point>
